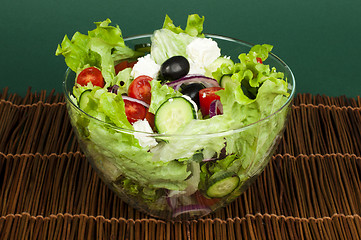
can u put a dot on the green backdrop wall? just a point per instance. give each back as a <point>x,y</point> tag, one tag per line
<point>320,40</point>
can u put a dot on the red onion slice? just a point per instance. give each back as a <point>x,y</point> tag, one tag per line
<point>172,202</point>
<point>216,108</point>
<point>189,76</point>
<point>113,89</point>
<point>206,81</point>
<point>209,159</point>
<point>136,100</point>
<point>204,210</point>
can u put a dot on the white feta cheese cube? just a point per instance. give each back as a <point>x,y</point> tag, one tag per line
<point>201,53</point>
<point>143,126</point>
<point>145,66</point>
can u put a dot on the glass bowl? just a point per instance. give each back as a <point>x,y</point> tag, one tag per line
<point>179,189</point>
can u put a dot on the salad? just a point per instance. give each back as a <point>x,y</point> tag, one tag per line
<point>160,120</point>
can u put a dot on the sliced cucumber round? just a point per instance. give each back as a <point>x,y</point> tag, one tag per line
<point>173,114</point>
<point>224,80</point>
<point>143,47</point>
<point>84,99</point>
<point>219,62</point>
<point>222,185</point>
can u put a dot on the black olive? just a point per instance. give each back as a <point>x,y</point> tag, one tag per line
<point>174,68</point>
<point>192,91</point>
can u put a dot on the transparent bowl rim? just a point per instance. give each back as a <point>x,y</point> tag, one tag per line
<point>220,133</point>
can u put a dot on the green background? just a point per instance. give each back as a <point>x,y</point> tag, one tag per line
<point>320,40</point>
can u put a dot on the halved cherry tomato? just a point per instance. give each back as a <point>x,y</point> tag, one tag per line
<point>134,111</point>
<point>204,200</point>
<point>123,65</point>
<point>259,60</point>
<point>140,88</point>
<point>91,74</point>
<point>206,97</point>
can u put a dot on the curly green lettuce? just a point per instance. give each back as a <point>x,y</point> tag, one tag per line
<point>172,41</point>
<point>100,48</point>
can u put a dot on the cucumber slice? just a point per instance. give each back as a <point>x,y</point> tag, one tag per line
<point>224,80</point>
<point>221,61</point>
<point>143,47</point>
<point>84,99</point>
<point>173,114</point>
<point>223,185</point>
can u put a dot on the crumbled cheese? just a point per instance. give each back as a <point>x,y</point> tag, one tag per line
<point>145,66</point>
<point>202,52</point>
<point>144,127</point>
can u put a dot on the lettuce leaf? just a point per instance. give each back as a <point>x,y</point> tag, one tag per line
<point>100,48</point>
<point>166,44</point>
<point>76,52</point>
<point>121,154</point>
<point>194,26</point>
<point>122,150</point>
<point>123,79</point>
<point>108,107</point>
<point>185,147</point>
<point>160,93</point>
<point>172,41</point>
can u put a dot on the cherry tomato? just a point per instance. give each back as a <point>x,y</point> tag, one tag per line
<point>204,200</point>
<point>140,88</point>
<point>134,111</point>
<point>259,60</point>
<point>206,97</point>
<point>123,65</point>
<point>91,74</point>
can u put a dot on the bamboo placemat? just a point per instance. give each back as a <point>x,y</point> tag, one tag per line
<point>310,190</point>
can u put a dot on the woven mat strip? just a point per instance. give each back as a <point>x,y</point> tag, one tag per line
<point>31,97</point>
<point>45,128</point>
<point>259,226</point>
<point>322,129</point>
<point>40,127</point>
<point>306,98</point>
<point>302,186</point>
